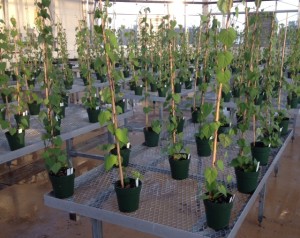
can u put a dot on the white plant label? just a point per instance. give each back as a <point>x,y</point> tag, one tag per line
<point>137,182</point>
<point>24,113</point>
<point>270,145</point>
<point>210,138</point>
<point>257,167</point>
<point>56,117</point>
<point>128,145</point>
<point>280,129</point>
<point>61,104</point>
<point>20,131</point>
<point>97,108</point>
<point>189,156</point>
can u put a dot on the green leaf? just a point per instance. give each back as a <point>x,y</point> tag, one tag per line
<point>121,134</point>
<point>227,36</point>
<point>224,59</point>
<point>109,161</point>
<point>176,98</point>
<point>225,6</point>
<point>147,110</point>
<point>46,3</point>
<point>104,117</point>
<point>225,140</point>
<point>220,165</point>
<point>223,76</point>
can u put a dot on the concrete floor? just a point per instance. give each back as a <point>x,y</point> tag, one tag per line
<point>23,213</point>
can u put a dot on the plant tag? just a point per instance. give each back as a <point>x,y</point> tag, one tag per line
<point>128,145</point>
<point>61,104</point>
<point>57,118</point>
<point>97,108</point>
<point>137,182</point>
<point>210,138</point>
<point>141,86</point>
<point>232,198</point>
<point>165,85</point>
<point>123,100</point>
<point>24,113</point>
<point>20,131</point>
<point>191,79</point>
<point>230,124</point>
<point>280,129</point>
<point>189,156</point>
<point>183,118</point>
<point>68,171</point>
<point>257,167</point>
<point>270,145</point>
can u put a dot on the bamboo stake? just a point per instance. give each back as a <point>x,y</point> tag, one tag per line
<point>217,116</point>
<point>112,91</point>
<point>282,62</point>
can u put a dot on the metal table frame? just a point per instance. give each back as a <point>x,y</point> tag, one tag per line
<point>98,215</point>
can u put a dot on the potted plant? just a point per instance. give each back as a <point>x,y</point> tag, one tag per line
<point>247,172</point>
<point>61,172</point>
<point>217,199</point>
<point>178,154</point>
<point>123,185</point>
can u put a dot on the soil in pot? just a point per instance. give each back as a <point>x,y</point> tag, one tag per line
<point>218,213</point>
<point>236,92</point>
<point>17,140</point>
<point>260,152</point>
<point>34,108</point>
<point>128,197</point>
<point>246,181</point>
<point>203,146</point>
<point>62,184</point>
<point>180,166</point>
<point>125,153</point>
<point>195,114</point>
<point>93,114</point>
<point>68,84</point>
<point>132,86</point>
<point>126,73</point>
<point>151,137</point>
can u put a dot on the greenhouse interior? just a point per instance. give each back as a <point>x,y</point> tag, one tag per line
<point>149,118</point>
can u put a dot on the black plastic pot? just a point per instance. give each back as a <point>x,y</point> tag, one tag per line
<point>125,153</point>
<point>203,146</point>
<point>138,90</point>
<point>9,97</point>
<point>292,101</point>
<point>224,129</point>
<point>177,87</point>
<point>199,81</point>
<point>153,87</point>
<point>284,125</point>
<point>132,86</point>
<point>23,121</point>
<point>68,84</point>
<point>236,92</point>
<point>34,108</point>
<point>180,125</point>
<point>217,214</point>
<point>195,114</point>
<point>226,96</point>
<point>126,73</point>
<point>63,186</point>
<point>162,92</point>
<point>31,82</point>
<point>151,137</point>
<point>246,181</point>
<point>180,167</point>
<point>188,84</point>
<point>17,140</point>
<point>121,104</point>
<point>93,114</point>
<point>128,198</point>
<point>2,113</point>
<point>260,152</point>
